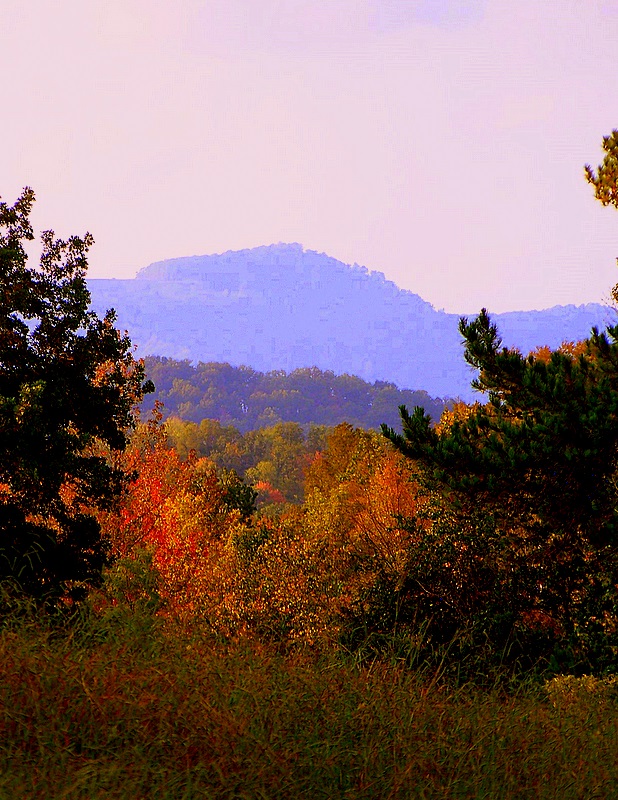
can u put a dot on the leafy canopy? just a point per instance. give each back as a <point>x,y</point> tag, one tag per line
<point>68,388</point>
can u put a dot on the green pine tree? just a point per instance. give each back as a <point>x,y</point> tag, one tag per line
<point>533,472</point>
<point>544,446</point>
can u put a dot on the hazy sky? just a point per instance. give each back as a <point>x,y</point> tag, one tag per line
<point>439,142</point>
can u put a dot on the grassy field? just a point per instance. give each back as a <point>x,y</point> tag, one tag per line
<point>125,707</point>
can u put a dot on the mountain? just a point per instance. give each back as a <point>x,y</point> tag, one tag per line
<point>281,307</point>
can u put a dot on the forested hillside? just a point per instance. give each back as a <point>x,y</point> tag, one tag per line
<point>248,399</point>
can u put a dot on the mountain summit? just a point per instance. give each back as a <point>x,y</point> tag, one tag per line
<point>273,271</point>
<point>280,307</point>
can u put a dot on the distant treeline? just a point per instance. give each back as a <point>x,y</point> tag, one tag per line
<point>248,400</point>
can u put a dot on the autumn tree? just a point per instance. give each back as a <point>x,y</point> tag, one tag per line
<point>180,515</point>
<point>273,459</point>
<point>364,513</point>
<point>605,180</point>
<point>68,388</point>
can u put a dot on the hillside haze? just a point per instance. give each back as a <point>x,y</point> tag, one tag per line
<point>281,307</point>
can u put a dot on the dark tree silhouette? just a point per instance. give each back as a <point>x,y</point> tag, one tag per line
<point>68,388</point>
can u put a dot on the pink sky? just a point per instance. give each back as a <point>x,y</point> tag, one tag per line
<point>439,142</point>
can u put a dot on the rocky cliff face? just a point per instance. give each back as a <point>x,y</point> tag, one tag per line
<point>283,307</point>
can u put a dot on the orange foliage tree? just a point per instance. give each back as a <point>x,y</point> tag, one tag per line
<point>365,509</point>
<point>176,511</point>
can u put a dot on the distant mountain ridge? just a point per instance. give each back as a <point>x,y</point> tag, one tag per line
<point>281,307</point>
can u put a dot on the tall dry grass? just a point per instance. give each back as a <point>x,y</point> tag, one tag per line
<point>120,704</point>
